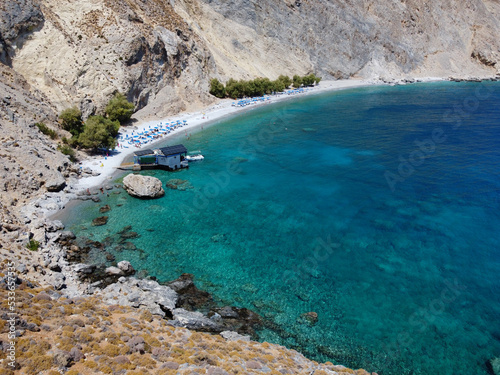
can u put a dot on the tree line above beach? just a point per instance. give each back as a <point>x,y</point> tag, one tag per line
<point>259,86</point>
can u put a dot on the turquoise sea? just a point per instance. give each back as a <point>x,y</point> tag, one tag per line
<point>378,208</point>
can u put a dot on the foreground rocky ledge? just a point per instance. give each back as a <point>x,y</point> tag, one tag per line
<point>82,335</point>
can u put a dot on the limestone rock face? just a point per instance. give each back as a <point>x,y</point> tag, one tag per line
<point>56,184</point>
<point>143,186</point>
<point>339,39</point>
<point>18,18</point>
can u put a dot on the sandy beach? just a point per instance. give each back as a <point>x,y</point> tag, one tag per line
<point>106,166</point>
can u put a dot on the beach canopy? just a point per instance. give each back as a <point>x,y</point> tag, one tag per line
<point>173,150</point>
<point>144,152</point>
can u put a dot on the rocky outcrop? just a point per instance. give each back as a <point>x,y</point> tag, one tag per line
<point>98,221</point>
<point>190,297</point>
<point>133,338</point>
<point>162,54</point>
<point>143,186</point>
<point>158,299</point>
<point>19,18</point>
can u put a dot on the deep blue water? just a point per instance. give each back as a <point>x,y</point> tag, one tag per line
<point>313,205</point>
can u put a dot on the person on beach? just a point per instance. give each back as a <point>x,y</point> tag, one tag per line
<point>102,190</point>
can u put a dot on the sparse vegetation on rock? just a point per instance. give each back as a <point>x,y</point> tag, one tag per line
<point>71,120</point>
<point>84,336</point>
<point>46,130</point>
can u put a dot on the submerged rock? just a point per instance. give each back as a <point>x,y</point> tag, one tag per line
<point>125,229</point>
<point>129,246</point>
<point>99,221</point>
<point>104,209</point>
<point>309,318</point>
<point>239,159</point>
<point>178,184</point>
<point>128,235</point>
<point>143,186</point>
<point>218,237</point>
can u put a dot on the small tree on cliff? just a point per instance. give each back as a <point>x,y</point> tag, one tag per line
<point>119,108</point>
<point>217,88</point>
<point>99,132</point>
<point>71,120</point>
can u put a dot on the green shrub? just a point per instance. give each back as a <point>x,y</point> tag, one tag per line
<point>71,120</point>
<point>67,150</point>
<point>297,81</point>
<point>217,88</point>
<point>234,89</point>
<point>259,86</point>
<point>33,245</point>
<point>285,80</point>
<point>310,80</point>
<point>99,132</point>
<point>46,130</point>
<point>119,108</point>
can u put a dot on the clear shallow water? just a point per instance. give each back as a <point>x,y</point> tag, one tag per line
<point>292,212</point>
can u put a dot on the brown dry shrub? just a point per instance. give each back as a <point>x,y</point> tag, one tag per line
<point>144,360</point>
<point>111,350</point>
<point>36,364</point>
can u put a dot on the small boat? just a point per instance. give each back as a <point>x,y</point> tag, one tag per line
<point>194,157</point>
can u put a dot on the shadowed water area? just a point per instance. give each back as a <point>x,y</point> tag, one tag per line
<point>376,208</point>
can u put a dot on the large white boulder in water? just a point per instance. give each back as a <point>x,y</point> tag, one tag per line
<point>143,186</point>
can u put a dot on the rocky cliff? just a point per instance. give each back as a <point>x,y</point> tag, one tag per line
<point>345,38</point>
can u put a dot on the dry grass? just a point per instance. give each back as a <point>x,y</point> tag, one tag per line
<point>106,350</point>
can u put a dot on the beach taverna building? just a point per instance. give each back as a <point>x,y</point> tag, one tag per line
<point>171,158</point>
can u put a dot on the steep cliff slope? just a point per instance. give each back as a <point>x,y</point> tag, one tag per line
<point>342,39</point>
<point>82,51</point>
<point>162,53</point>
